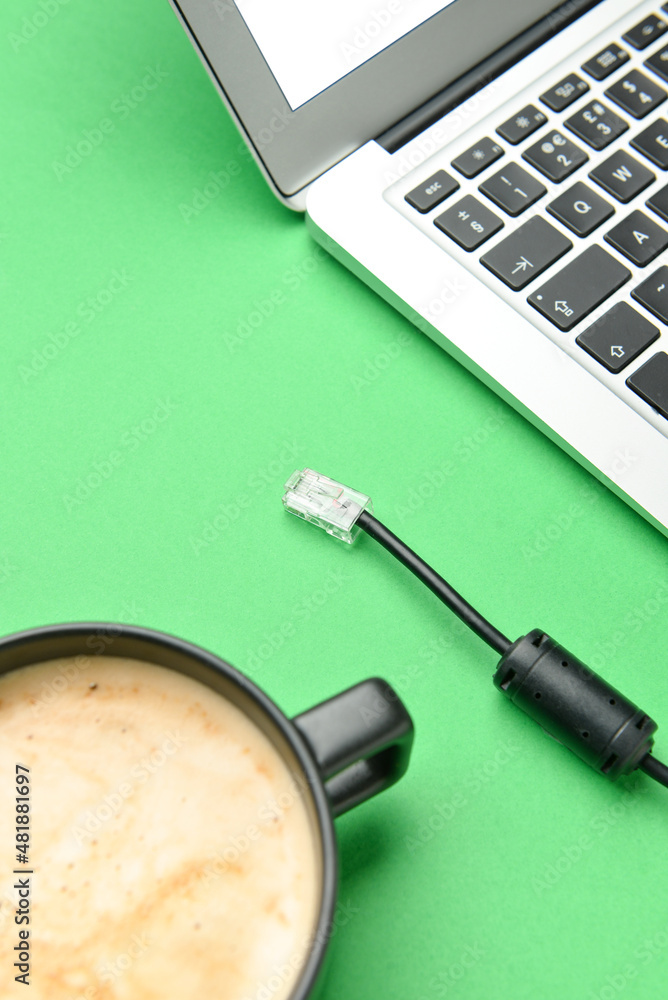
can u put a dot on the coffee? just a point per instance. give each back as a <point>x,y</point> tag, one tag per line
<point>174,852</point>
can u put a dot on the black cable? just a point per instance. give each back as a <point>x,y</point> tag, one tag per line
<point>438,586</point>
<point>650,765</point>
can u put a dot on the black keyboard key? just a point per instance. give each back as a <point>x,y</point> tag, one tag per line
<point>650,382</point>
<point>618,337</point>
<point>565,92</point>
<point>652,293</point>
<point>653,143</point>
<point>623,176</point>
<point>645,32</point>
<point>526,253</point>
<point>468,223</point>
<point>606,62</point>
<point>477,157</point>
<point>579,288</point>
<point>638,238</point>
<point>524,123</point>
<point>555,156</point>
<point>581,209</point>
<point>432,192</point>
<point>637,94</point>
<point>596,125</point>
<point>659,63</point>
<point>659,203</point>
<point>513,189</point>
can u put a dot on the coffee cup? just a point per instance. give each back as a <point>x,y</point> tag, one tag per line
<point>174,829</point>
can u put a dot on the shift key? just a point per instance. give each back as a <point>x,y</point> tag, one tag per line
<point>579,288</point>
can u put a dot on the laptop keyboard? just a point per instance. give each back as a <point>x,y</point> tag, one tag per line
<point>560,203</point>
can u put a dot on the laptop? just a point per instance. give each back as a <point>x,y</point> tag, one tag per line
<point>499,173</point>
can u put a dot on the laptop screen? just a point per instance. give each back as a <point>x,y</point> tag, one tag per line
<point>327,40</point>
<point>309,81</point>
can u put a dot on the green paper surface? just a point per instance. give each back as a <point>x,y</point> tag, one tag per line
<point>175,344</point>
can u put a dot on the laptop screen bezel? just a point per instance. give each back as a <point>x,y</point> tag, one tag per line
<point>295,147</point>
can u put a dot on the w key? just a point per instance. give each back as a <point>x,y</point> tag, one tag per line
<point>579,288</point>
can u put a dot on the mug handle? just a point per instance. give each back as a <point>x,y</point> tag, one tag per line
<point>361,740</point>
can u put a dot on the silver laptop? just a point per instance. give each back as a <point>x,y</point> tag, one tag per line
<point>499,173</point>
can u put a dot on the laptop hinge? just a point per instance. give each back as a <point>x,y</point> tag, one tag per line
<point>481,75</point>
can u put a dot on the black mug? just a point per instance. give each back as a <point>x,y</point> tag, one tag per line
<point>342,751</point>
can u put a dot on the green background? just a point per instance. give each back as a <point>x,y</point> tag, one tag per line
<point>169,356</point>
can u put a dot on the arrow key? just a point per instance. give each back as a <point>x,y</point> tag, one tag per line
<point>638,238</point>
<point>618,337</point>
<point>526,253</point>
<point>579,288</point>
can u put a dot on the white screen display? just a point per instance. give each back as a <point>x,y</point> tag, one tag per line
<point>310,44</point>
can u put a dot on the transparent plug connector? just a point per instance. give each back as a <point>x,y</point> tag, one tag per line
<point>325,502</point>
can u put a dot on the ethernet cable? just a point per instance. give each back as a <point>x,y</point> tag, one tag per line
<point>555,688</point>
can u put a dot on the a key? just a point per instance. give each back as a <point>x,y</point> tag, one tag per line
<point>474,159</point>
<point>468,223</point>
<point>606,62</point>
<point>637,94</point>
<point>555,156</point>
<point>565,92</point>
<point>653,293</point>
<point>526,253</point>
<point>618,337</point>
<point>579,288</point>
<point>623,176</point>
<point>653,143</point>
<point>639,238</point>
<point>581,209</point>
<point>522,124</point>
<point>432,192</point>
<point>596,125</point>
<point>513,189</point>
<point>650,382</point>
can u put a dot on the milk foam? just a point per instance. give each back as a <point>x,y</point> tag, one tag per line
<point>173,853</point>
